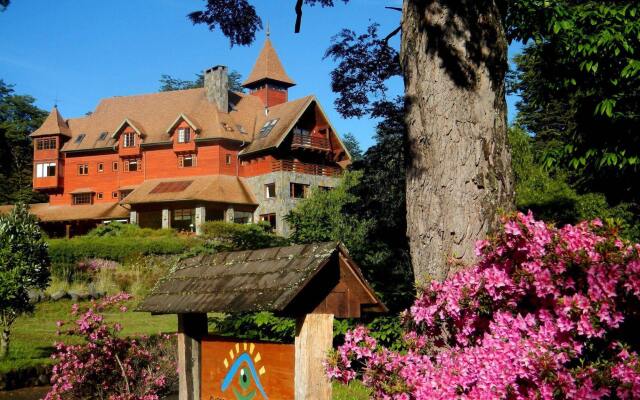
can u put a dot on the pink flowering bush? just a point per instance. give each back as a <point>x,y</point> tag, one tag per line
<point>106,366</point>
<point>549,313</point>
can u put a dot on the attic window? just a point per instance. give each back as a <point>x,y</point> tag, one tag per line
<point>103,135</point>
<point>80,138</point>
<point>267,127</point>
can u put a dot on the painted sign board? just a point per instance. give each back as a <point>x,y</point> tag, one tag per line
<point>246,370</point>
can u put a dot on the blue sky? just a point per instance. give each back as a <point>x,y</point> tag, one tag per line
<point>81,51</point>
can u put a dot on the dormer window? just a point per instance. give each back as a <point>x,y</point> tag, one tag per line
<point>80,138</point>
<point>129,139</point>
<point>184,135</point>
<point>46,144</point>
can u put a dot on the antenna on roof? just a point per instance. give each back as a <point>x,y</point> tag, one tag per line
<point>268,30</point>
<point>55,100</point>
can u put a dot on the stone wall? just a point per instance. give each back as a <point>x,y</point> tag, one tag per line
<point>283,203</point>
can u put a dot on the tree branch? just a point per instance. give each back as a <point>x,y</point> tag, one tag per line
<point>394,8</point>
<point>298,16</point>
<point>392,34</point>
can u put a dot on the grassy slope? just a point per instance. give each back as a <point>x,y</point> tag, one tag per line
<point>32,337</point>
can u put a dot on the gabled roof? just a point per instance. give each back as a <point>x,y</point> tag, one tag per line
<point>268,66</point>
<point>289,279</point>
<point>54,124</point>
<point>287,115</point>
<point>182,117</point>
<point>128,122</point>
<point>154,112</point>
<point>211,188</point>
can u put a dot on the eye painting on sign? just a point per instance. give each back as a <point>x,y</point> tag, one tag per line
<point>238,370</point>
<point>242,375</point>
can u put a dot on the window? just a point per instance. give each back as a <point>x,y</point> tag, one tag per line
<point>184,135</point>
<point>185,214</point>
<point>124,193</point>
<point>44,170</point>
<point>46,144</point>
<point>80,138</point>
<point>114,195</point>
<point>299,190</point>
<point>227,159</point>
<point>103,135</point>
<point>270,218</point>
<point>83,169</point>
<point>132,165</point>
<point>99,196</point>
<point>82,198</point>
<point>187,161</point>
<point>114,166</point>
<point>270,190</point>
<point>267,127</point>
<point>129,139</point>
<point>100,167</point>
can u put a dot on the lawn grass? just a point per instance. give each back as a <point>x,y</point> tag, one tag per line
<point>32,336</point>
<point>353,391</point>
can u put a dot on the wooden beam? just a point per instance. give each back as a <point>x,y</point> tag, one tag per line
<point>314,339</point>
<point>191,329</point>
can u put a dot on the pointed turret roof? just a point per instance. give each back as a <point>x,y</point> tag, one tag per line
<point>53,125</point>
<point>268,66</point>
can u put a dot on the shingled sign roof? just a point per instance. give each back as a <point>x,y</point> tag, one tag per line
<point>271,279</point>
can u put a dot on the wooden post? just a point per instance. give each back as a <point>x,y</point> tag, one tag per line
<point>314,338</point>
<point>191,329</point>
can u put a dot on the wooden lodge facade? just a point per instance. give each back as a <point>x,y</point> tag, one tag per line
<point>179,158</point>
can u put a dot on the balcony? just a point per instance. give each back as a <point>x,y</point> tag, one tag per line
<point>310,142</point>
<point>47,182</point>
<point>303,168</point>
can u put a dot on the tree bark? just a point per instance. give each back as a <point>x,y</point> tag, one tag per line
<point>4,343</point>
<point>459,180</point>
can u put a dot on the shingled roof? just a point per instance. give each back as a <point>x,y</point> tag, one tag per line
<point>275,279</point>
<point>54,124</point>
<point>85,212</point>
<point>213,188</point>
<point>268,66</point>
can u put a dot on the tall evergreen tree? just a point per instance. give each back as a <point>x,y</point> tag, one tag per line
<point>18,118</point>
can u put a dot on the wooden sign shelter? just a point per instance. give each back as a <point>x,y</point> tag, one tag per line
<point>312,283</point>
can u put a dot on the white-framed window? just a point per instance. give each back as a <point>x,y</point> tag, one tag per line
<point>187,160</point>
<point>270,190</point>
<point>185,214</point>
<point>114,166</point>
<point>99,196</point>
<point>100,167</point>
<point>227,159</point>
<point>184,135</point>
<point>44,170</point>
<point>83,169</point>
<point>82,198</point>
<point>129,139</point>
<point>132,165</point>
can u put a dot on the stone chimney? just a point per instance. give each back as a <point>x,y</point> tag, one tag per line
<point>216,86</point>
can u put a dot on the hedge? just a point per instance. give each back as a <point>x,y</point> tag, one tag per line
<point>70,251</point>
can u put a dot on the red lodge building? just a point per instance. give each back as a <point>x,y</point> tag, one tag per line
<point>179,158</point>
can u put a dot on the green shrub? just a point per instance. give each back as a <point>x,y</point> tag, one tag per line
<point>65,252</point>
<point>120,229</point>
<point>225,236</point>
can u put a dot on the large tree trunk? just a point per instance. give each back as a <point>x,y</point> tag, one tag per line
<point>459,180</point>
<point>4,342</point>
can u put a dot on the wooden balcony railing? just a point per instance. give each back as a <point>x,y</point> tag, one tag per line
<point>311,142</point>
<point>303,168</point>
